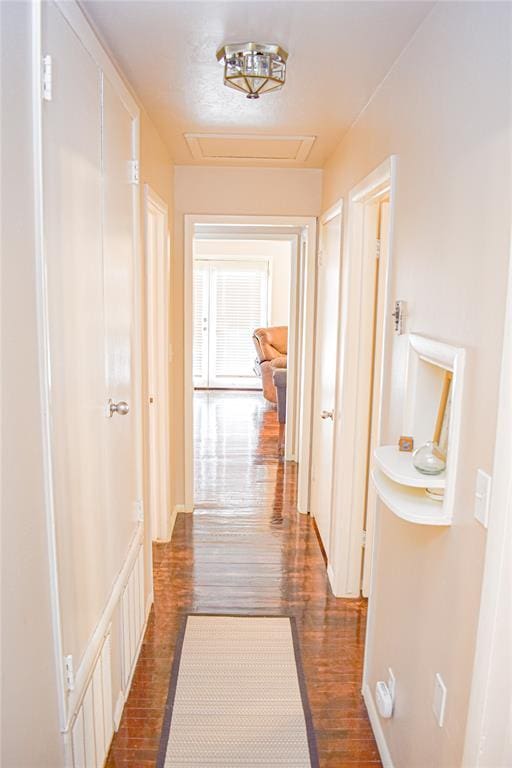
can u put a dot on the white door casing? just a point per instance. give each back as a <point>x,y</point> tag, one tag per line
<point>354,366</point>
<point>379,319</point>
<point>326,341</point>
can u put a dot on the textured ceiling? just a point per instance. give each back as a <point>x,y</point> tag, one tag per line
<point>339,53</point>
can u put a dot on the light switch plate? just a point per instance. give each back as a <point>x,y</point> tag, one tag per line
<point>439,704</point>
<point>482,497</point>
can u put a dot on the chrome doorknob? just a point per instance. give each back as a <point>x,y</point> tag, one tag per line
<point>327,415</point>
<point>121,408</point>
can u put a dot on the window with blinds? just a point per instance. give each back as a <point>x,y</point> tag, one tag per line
<point>201,311</point>
<point>230,301</point>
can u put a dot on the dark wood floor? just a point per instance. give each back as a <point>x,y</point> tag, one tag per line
<point>246,550</point>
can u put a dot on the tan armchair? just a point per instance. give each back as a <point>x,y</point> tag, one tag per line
<point>271,345</point>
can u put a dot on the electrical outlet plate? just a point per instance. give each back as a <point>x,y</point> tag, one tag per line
<point>439,704</point>
<point>482,497</point>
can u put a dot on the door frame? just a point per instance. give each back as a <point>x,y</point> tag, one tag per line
<point>305,345</point>
<point>350,447</point>
<point>325,218</point>
<point>157,360</point>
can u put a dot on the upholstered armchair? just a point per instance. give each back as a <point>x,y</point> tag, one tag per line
<point>271,345</point>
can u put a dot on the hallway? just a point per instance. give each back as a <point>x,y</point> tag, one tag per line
<point>245,550</point>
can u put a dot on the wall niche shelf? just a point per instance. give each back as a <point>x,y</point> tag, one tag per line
<point>398,483</point>
<point>398,466</point>
<point>409,502</point>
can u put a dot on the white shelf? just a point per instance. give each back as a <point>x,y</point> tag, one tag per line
<point>409,503</point>
<point>398,466</point>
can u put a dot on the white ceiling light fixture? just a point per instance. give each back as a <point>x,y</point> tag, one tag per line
<point>253,68</point>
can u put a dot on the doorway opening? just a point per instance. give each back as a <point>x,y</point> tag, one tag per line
<point>248,279</point>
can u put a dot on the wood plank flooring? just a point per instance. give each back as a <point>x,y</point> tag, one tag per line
<point>247,550</point>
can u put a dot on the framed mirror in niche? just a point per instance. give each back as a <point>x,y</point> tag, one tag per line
<point>432,412</point>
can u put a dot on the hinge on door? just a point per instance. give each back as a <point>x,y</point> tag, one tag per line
<point>377,249</point>
<point>319,257</point>
<point>134,171</point>
<point>139,508</point>
<point>47,78</point>
<point>363,539</point>
<point>69,673</point>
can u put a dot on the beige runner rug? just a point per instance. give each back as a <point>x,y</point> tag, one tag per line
<point>237,696</point>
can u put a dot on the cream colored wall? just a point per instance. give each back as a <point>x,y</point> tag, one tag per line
<point>278,253</point>
<point>229,192</point>
<point>444,109</point>
<point>30,730</point>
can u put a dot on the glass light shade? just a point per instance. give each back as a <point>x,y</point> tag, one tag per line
<point>253,68</point>
<point>429,459</point>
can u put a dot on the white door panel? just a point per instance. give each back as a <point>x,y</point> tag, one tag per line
<point>88,231</point>
<point>73,248</point>
<point>326,340</point>
<point>118,266</point>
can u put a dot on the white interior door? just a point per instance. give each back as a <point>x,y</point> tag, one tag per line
<point>158,290</point>
<point>230,302</point>
<point>119,297</point>
<point>74,275</point>
<point>326,340</point>
<point>89,251</point>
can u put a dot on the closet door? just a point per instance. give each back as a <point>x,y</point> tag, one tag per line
<point>89,250</point>
<point>238,305</point>
<point>75,312</point>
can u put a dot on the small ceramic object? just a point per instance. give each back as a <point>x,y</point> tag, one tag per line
<point>429,459</point>
<point>406,444</point>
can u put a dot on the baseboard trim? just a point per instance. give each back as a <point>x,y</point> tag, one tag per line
<point>95,644</point>
<point>332,578</point>
<point>118,710</point>
<point>382,746</point>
